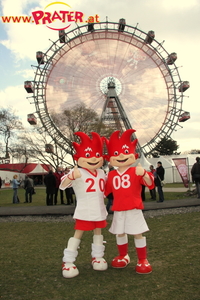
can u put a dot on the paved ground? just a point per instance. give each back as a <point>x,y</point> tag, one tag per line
<point>69,209</point>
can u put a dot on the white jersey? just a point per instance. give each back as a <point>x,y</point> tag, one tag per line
<point>89,190</point>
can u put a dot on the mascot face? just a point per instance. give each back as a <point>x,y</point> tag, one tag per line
<point>122,159</point>
<point>121,150</point>
<point>89,153</point>
<point>90,163</point>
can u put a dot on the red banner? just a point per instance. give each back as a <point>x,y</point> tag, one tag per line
<point>181,165</point>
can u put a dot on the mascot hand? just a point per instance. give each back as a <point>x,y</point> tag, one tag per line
<point>76,172</point>
<point>139,170</point>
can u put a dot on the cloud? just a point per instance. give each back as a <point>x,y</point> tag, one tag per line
<point>171,5</point>
<point>25,39</point>
<point>26,74</point>
<point>15,97</point>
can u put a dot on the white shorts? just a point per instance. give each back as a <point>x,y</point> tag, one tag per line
<point>129,222</point>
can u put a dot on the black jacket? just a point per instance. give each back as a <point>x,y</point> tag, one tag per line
<point>50,182</point>
<point>160,174</point>
<point>195,172</point>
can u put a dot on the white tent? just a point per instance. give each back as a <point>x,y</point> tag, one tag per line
<point>7,171</point>
<point>38,169</point>
<point>167,165</point>
<point>143,161</point>
<point>171,173</point>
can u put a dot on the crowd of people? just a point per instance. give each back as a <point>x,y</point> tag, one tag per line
<point>52,182</point>
<point>53,179</point>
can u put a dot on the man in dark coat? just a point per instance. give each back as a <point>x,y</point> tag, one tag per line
<point>50,183</point>
<point>29,188</point>
<point>68,191</point>
<point>195,172</point>
<point>159,176</point>
<point>58,174</point>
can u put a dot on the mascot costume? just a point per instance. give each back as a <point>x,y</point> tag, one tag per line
<point>88,182</point>
<point>125,183</point>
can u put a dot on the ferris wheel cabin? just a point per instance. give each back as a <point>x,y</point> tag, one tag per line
<point>184,86</point>
<point>122,24</point>
<point>171,58</point>
<point>31,118</point>
<point>40,57</point>
<point>150,37</point>
<point>28,86</point>
<point>61,34</point>
<point>49,148</point>
<point>90,27</point>
<point>184,117</point>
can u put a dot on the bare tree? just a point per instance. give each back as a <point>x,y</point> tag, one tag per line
<point>41,147</point>
<point>10,125</point>
<point>35,146</point>
<point>80,118</point>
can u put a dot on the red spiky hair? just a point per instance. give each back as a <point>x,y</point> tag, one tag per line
<point>90,146</point>
<point>120,144</point>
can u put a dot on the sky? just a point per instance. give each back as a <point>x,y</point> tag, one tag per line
<point>177,23</point>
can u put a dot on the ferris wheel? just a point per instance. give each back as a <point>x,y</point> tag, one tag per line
<point>119,71</point>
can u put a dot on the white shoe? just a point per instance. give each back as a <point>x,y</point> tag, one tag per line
<point>99,264</point>
<point>69,270</point>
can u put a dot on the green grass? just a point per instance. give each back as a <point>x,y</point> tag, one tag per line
<point>40,197</point>
<point>6,196</point>
<point>31,254</point>
<point>168,196</point>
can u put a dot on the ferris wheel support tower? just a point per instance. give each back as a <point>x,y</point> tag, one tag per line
<point>113,113</point>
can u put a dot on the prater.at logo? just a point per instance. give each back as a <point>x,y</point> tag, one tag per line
<point>59,16</point>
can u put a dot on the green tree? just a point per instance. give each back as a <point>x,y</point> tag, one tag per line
<point>165,146</point>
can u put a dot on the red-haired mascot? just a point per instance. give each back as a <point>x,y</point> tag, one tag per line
<point>125,183</point>
<point>88,182</point>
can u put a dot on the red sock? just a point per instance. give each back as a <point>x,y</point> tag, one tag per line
<point>142,252</point>
<point>123,249</point>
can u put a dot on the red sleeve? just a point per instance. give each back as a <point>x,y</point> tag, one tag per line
<point>108,186</point>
